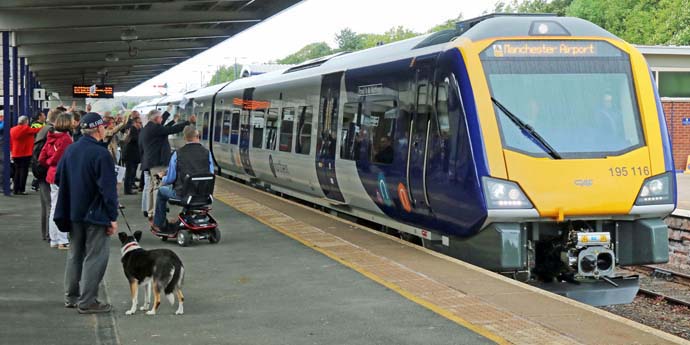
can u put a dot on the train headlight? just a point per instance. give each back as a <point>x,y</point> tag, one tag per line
<point>657,190</point>
<point>504,194</point>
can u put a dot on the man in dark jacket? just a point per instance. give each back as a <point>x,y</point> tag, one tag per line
<point>131,154</point>
<point>87,208</point>
<point>191,159</point>
<point>155,148</point>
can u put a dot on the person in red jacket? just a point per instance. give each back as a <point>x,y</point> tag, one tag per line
<point>51,153</point>
<point>21,145</point>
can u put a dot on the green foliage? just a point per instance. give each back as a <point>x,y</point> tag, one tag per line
<point>394,34</point>
<point>639,21</point>
<point>448,24</point>
<point>349,40</point>
<point>308,52</point>
<point>224,74</point>
<point>558,7</point>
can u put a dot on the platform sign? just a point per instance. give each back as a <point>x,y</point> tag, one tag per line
<point>88,91</point>
<point>39,94</point>
<point>686,121</point>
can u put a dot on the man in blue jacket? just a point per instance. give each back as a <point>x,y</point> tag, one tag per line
<point>87,208</point>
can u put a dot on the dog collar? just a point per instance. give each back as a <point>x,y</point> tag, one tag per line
<point>129,247</point>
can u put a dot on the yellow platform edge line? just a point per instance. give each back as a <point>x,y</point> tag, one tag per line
<point>418,300</point>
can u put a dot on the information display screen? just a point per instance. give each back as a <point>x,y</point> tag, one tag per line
<point>89,91</point>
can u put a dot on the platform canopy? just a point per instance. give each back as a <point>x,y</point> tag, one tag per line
<point>121,42</point>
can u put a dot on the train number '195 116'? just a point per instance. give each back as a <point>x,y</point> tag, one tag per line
<point>629,171</point>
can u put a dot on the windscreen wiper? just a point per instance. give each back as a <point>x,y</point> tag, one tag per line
<point>528,131</point>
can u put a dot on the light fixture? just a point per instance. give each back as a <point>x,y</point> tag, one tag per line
<point>111,58</point>
<point>129,35</point>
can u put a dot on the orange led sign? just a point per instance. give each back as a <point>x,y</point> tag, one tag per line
<point>548,48</point>
<point>251,105</point>
<point>89,91</point>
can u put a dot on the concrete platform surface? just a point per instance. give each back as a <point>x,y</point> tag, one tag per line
<point>256,286</point>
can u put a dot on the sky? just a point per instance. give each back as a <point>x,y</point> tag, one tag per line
<point>307,22</point>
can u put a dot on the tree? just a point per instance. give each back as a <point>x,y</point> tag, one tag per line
<point>638,21</point>
<point>224,74</point>
<point>349,40</point>
<point>394,34</point>
<point>308,52</point>
<point>558,7</point>
<point>448,24</point>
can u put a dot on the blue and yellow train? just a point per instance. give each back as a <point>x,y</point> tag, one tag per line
<point>534,146</point>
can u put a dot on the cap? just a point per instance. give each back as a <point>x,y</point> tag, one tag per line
<point>91,120</point>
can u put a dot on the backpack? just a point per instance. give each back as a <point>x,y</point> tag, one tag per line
<point>39,171</point>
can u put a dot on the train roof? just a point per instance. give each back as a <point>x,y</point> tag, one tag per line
<point>488,26</point>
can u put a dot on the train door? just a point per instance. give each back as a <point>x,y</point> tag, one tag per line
<point>420,126</point>
<point>245,132</point>
<point>327,136</point>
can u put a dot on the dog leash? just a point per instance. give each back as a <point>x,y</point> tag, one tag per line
<point>126,222</point>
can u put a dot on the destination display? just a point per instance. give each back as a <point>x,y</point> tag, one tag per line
<point>541,48</point>
<point>92,91</point>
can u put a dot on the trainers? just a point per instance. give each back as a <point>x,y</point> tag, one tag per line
<point>95,308</point>
<point>63,246</point>
<point>70,305</point>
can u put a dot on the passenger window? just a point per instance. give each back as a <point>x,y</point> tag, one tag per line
<point>442,109</point>
<point>349,146</point>
<point>272,123</point>
<point>285,144</point>
<point>379,122</point>
<point>204,127</point>
<point>217,126</point>
<point>235,129</point>
<point>303,145</point>
<point>225,137</point>
<point>258,125</point>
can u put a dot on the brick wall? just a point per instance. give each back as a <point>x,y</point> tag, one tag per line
<point>678,242</point>
<point>680,135</point>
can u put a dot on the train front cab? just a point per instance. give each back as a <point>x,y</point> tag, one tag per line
<point>588,192</point>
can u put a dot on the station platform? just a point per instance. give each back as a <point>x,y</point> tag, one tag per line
<point>284,273</point>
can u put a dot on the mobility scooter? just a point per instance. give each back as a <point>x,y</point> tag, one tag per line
<point>194,222</point>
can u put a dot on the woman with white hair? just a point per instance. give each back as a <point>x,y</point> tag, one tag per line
<point>22,144</point>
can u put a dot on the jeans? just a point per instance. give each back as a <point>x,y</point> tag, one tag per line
<point>44,190</point>
<point>145,195</point>
<point>87,260</point>
<point>165,193</point>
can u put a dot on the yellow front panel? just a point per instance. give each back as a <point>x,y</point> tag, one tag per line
<point>580,187</point>
<point>571,187</point>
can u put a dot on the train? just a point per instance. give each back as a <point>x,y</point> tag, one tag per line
<point>534,146</point>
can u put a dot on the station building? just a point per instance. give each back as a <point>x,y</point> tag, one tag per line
<point>671,69</point>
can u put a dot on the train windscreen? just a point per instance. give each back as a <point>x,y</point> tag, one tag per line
<point>577,95</point>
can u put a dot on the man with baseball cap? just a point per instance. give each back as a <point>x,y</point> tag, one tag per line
<point>87,209</point>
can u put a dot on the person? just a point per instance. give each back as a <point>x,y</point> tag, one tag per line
<point>87,209</point>
<point>76,118</point>
<point>609,117</point>
<point>191,159</point>
<point>131,151</point>
<point>385,153</point>
<point>39,120</point>
<point>40,172</point>
<point>57,143</point>
<point>153,141</point>
<point>21,145</point>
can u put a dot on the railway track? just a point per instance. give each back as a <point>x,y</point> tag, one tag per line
<point>660,280</point>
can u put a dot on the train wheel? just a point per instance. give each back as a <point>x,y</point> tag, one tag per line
<point>214,237</point>
<point>184,238</point>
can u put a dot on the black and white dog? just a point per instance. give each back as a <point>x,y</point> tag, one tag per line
<point>158,269</point>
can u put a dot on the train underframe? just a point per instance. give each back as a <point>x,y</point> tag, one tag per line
<point>575,258</point>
